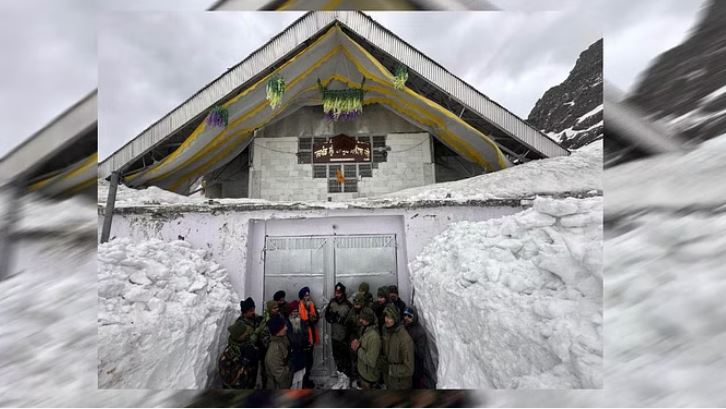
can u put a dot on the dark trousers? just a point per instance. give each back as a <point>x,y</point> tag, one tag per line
<point>308,354</point>
<point>341,354</point>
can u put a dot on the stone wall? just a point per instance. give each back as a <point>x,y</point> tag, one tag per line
<point>276,174</point>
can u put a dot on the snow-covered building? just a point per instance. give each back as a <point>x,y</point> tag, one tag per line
<point>338,152</point>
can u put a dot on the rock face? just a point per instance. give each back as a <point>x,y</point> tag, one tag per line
<point>686,86</point>
<point>571,112</point>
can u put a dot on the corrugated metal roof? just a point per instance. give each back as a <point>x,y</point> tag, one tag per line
<point>293,37</point>
<point>61,132</point>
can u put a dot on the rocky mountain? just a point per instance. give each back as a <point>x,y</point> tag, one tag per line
<point>686,86</point>
<point>571,112</point>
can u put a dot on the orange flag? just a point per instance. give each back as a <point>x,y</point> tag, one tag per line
<point>339,176</point>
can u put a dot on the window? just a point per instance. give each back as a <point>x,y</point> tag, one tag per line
<point>320,171</point>
<point>305,151</point>
<point>365,170</point>
<point>351,171</point>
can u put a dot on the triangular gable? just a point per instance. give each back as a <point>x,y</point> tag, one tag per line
<point>338,61</point>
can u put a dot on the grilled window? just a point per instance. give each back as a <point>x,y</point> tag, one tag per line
<point>365,170</point>
<point>320,171</point>
<point>334,186</point>
<point>305,150</point>
<point>351,171</point>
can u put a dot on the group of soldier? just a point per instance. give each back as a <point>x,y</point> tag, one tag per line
<point>378,343</point>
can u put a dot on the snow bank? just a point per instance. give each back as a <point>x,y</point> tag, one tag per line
<point>163,310</point>
<point>579,172</point>
<point>670,182</point>
<point>48,315</point>
<point>520,298</point>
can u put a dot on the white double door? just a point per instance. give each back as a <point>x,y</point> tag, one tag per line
<point>319,262</point>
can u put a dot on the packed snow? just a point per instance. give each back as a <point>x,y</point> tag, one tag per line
<point>670,182</point>
<point>48,314</point>
<point>579,172</point>
<point>520,298</point>
<point>664,286</point>
<point>163,311</point>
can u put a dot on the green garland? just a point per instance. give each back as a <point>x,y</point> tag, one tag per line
<point>342,104</point>
<point>400,76</point>
<point>275,90</point>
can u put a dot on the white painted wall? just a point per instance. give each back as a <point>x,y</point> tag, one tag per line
<point>225,233</point>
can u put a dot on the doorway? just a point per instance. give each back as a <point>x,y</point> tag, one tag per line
<point>358,249</point>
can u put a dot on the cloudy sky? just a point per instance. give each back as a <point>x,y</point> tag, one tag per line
<point>150,62</point>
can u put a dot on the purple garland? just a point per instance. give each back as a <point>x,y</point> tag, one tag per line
<point>218,117</point>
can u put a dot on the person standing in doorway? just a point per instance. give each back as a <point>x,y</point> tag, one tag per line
<point>423,368</point>
<point>380,305</point>
<point>398,352</point>
<point>335,314</point>
<point>309,314</point>
<point>367,350</point>
<point>276,359</point>
<point>353,329</point>
<point>263,333</point>
<point>364,288</point>
<point>300,346</point>
<point>239,362</point>
<point>279,297</point>
<point>395,299</point>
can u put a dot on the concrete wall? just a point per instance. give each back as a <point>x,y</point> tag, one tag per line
<point>225,233</point>
<point>276,174</point>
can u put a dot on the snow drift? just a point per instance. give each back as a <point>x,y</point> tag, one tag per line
<point>519,298</point>
<point>163,312</point>
<point>48,314</point>
<point>664,286</point>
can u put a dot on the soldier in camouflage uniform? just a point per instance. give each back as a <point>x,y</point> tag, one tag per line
<point>397,351</point>
<point>239,361</point>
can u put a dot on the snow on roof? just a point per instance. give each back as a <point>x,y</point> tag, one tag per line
<point>580,172</point>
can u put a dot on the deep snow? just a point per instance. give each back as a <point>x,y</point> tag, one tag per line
<point>163,313</point>
<point>520,298</point>
<point>48,314</point>
<point>664,283</point>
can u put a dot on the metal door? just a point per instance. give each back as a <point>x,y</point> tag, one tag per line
<point>319,262</point>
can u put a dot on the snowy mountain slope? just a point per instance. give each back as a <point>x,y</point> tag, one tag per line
<point>520,298</point>
<point>162,308</point>
<point>571,112</point>
<point>686,86</point>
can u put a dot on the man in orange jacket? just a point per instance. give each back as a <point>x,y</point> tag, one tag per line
<point>309,314</point>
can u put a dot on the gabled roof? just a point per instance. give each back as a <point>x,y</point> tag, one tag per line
<point>352,5</point>
<point>61,156</point>
<point>467,110</point>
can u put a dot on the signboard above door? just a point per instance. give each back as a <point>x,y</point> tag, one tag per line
<point>341,148</point>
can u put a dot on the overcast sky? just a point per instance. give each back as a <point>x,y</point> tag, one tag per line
<point>151,62</point>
